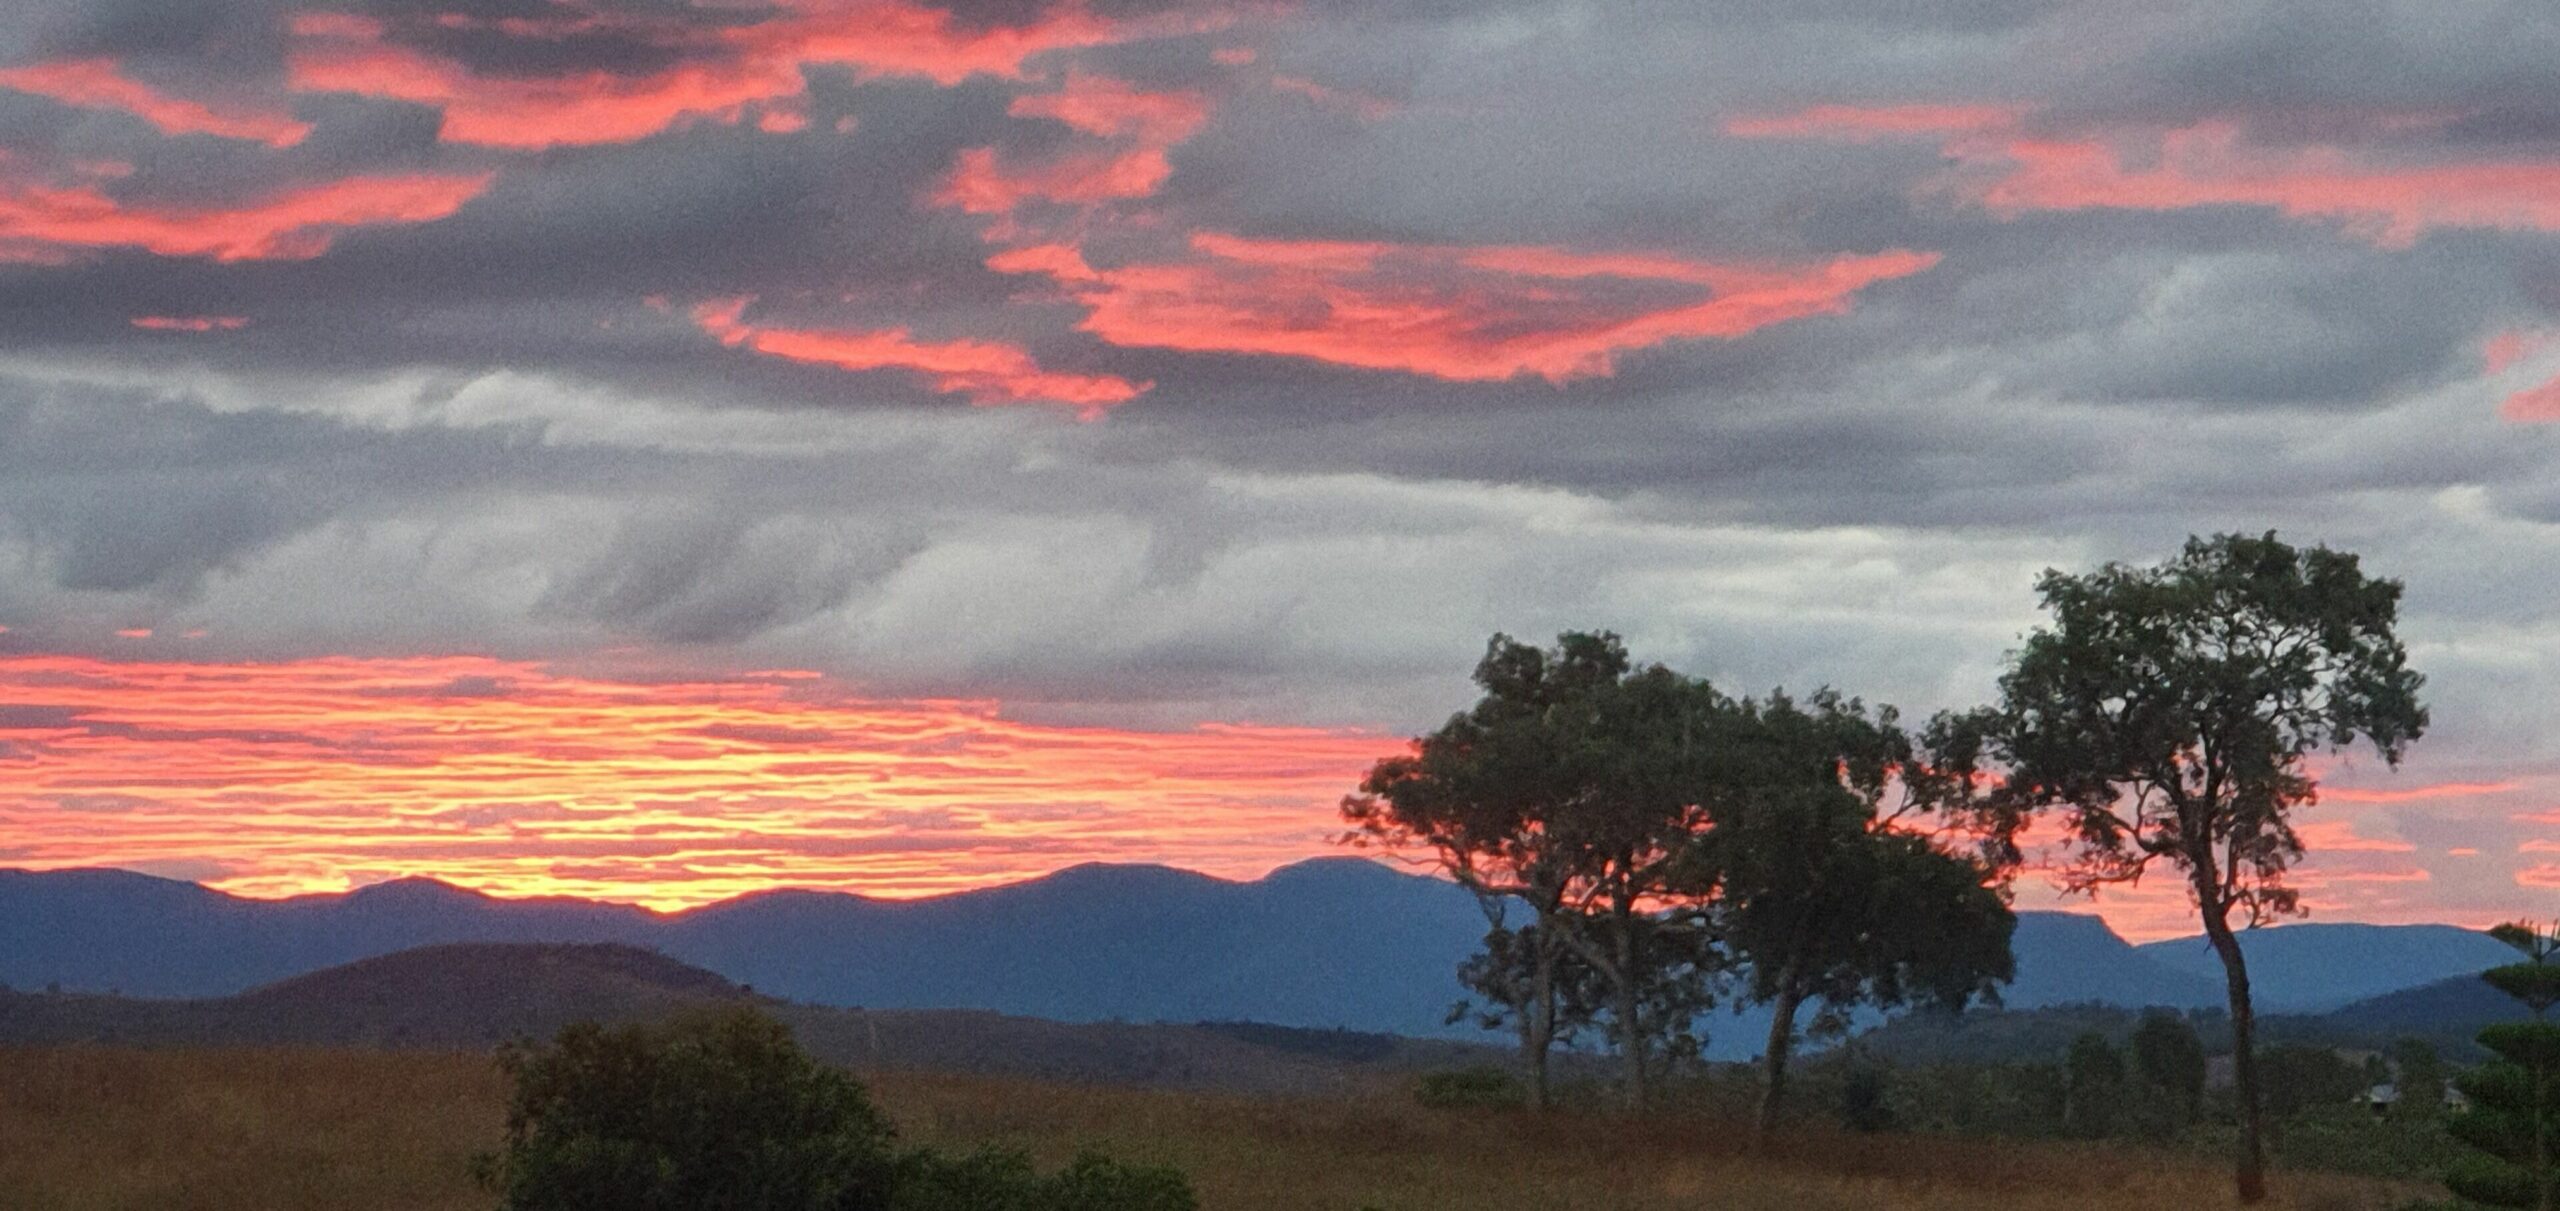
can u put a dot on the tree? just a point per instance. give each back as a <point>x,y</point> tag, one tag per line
<point>2166,715</point>
<point>2420,1079</point>
<point>1480,793</point>
<point>2514,1117</point>
<point>1822,886</point>
<point>2169,1063</point>
<point>2094,1072</point>
<point>2301,1078</point>
<point>1566,791</point>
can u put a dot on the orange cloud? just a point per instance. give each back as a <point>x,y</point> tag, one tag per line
<point>522,778</point>
<point>2205,164</point>
<point>190,323</point>
<point>987,372</point>
<point>1466,314</point>
<point>99,84</point>
<point>296,224</point>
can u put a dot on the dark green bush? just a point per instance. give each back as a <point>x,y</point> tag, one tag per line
<point>1469,1088</point>
<point>1006,1181</point>
<point>722,1111</point>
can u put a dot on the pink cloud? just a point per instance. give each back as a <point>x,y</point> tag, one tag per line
<point>2414,794</point>
<point>1870,123</point>
<point>727,75</point>
<point>1362,105</point>
<point>986,372</point>
<point>295,224</point>
<point>191,323</point>
<point>101,84</point>
<point>2209,163</point>
<point>1467,314</point>
<point>1101,105</point>
<point>980,184</point>
<point>2339,836</point>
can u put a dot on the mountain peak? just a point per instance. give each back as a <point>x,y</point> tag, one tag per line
<point>414,890</point>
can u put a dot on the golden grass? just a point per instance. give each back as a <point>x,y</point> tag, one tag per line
<point>220,1130</point>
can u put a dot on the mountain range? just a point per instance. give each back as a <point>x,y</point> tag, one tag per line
<point>1334,943</point>
<point>473,995</point>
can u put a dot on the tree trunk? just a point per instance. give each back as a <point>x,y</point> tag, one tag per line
<point>1630,1028</point>
<point>1538,1024</point>
<point>2252,1173</point>
<point>1782,1041</point>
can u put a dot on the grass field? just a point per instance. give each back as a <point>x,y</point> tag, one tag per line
<point>282,1130</point>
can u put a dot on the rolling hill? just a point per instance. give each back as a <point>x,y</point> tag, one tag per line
<point>475,995</point>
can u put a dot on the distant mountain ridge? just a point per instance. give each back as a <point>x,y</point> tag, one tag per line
<point>1331,943</point>
<point>472,995</point>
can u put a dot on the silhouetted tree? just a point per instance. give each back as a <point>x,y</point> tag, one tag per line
<point>1481,794</point>
<point>2094,1071</point>
<point>2166,714</point>
<point>1568,791</point>
<point>2300,1078</point>
<point>1821,885</point>
<point>2514,1115</point>
<point>2169,1063</point>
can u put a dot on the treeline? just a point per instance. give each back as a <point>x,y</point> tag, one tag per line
<point>1645,845</point>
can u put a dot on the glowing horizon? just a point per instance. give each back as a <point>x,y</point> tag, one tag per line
<point>671,789</point>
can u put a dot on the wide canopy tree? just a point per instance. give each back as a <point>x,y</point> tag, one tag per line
<point>1831,881</point>
<point>1568,791</point>
<point>2167,712</point>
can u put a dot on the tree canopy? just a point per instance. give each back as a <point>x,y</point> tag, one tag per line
<point>2166,715</point>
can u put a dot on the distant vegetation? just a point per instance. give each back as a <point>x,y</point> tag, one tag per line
<point>320,1130</point>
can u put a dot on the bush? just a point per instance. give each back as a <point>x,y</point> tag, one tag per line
<point>721,1111</point>
<point>1005,1181</point>
<point>1469,1089</point>
<point>1866,1099</point>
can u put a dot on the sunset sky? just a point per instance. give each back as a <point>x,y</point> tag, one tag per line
<point>658,449</point>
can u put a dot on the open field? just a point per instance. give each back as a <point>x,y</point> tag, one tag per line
<point>287,1129</point>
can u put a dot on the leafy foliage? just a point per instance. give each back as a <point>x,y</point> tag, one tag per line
<point>722,1111</point>
<point>2167,715</point>
<point>2513,1123</point>
<point>1468,1089</point>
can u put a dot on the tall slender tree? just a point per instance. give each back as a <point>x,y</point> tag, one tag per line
<point>2166,715</point>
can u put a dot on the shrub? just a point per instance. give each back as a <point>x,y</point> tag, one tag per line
<point>1468,1088</point>
<point>1866,1098</point>
<point>1005,1181</point>
<point>722,1111</point>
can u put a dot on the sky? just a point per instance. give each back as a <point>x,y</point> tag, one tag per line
<point>658,449</point>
